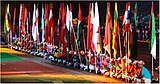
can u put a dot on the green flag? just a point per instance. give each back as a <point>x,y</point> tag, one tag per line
<point>134,53</point>
<point>153,38</point>
<point>79,26</point>
<point>6,20</point>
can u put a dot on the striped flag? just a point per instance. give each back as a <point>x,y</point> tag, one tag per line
<point>108,27</point>
<point>115,31</point>
<point>90,26</point>
<point>79,28</point>
<point>6,20</point>
<point>96,29</point>
<point>127,28</point>
<point>153,35</point>
<point>35,32</point>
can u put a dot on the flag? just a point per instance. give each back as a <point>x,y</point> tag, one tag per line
<point>35,33</point>
<point>23,21</point>
<point>153,35</point>
<point>134,53</point>
<point>90,26</point>
<point>150,21</point>
<point>115,32</point>
<point>51,23</point>
<point>6,20</point>
<point>60,22</point>
<point>68,27</point>
<point>95,30</point>
<point>46,23</point>
<point>20,19</point>
<point>126,21</point>
<point>127,28</point>
<point>42,23</point>
<point>79,28</point>
<point>14,21</point>
<point>108,27</point>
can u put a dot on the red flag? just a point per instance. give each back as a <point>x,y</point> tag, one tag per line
<point>62,20</point>
<point>71,27</point>
<point>14,22</point>
<point>51,23</point>
<point>90,26</point>
<point>149,27</point>
<point>23,20</point>
<point>46,22</point>
<point>107,36</point>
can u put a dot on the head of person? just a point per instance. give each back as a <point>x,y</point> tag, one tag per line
<point>141,63</point>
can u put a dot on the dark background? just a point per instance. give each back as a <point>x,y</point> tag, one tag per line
<point>144,8</point>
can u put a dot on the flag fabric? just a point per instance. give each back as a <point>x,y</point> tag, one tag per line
<point>134,53</point>
<point>90,26</point>
<point>20,19</point>
<point>62,30</point>
<point>60,22</point>
<point>72,37</point>
<point>115,32</point>
<point>51,23</point>
<point>42,23</point>
<point>79,28</point>
<point>35,32</point>
<point>6,21</point>
<point>126,21</point>
<point>68,27</point>
<point>96,27</point>
<point>14,21</point>
<point>46,23</point>
<point>150,21</point>
<point>127,29</point>
<point>153,35</point>
<point>23,21</point>
<point>108,27</point>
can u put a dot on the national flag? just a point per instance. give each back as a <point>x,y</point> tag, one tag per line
<point>134,53</point>
<point>6,21</point>
<point>51,23</point>
<point>108,27</point>
<point>90,26</point>
<point>127,28</point>
<point>23,20</point>
<point>14,21</point>
<point>42,23</point>
<point>20,19</point>
<point>79,28</point>
<point>153,35</point>
<point>96,27</point>
<point>60,22</point>
<point>115,32</point>
<point>150,21</point>
<point>46,22</point>
<point>67,27</point>
<point>35,32</point>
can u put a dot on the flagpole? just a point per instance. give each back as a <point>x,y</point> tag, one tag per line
<point>152,67</point>
<point>120,44</point>
<point>76,45</point>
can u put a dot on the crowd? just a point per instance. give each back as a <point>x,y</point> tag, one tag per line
<point>121,68</point>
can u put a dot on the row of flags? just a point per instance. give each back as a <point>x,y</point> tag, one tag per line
<point>66,32</point>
